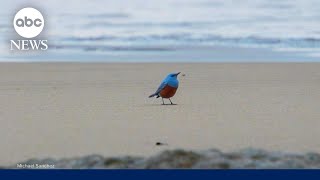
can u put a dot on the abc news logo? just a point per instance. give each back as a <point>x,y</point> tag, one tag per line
<point>28,23</point>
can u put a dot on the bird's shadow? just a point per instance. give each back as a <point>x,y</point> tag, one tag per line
<point>160,104</point>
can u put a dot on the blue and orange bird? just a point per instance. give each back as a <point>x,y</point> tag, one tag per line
<point>168,87</point>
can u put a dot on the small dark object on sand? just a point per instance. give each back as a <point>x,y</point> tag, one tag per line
<point>160,144</point>
<point>183,74</point>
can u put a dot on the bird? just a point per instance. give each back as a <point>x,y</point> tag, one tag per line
<point>167,88</point>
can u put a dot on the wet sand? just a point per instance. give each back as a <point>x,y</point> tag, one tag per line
<point>74,109</point>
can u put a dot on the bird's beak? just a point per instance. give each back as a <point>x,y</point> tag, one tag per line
<point>178,73</point>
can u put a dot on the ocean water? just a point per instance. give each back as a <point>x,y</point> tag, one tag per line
<point>170,30</point>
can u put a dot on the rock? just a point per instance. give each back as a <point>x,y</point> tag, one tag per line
<point>172,159</point>
<point>121,163</point>
<point>213,159</point>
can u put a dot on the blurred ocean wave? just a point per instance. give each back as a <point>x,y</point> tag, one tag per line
<point>129,25</point>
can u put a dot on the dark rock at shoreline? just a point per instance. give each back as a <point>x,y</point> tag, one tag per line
<point>213,159</point>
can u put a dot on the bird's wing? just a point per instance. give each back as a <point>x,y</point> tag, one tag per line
<point>162,85</point>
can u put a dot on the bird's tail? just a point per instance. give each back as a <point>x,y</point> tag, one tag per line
<point>152,95</point>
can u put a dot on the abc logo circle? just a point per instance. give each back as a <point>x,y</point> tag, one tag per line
<point>28,22</point>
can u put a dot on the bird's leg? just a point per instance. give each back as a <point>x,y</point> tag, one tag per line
<point>162,102</point>
<point>170,101</point>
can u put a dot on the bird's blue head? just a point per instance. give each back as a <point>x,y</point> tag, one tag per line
<point>172,80</point>
<point>173,75</point>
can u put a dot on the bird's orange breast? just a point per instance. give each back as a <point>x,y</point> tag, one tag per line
<point>168,91</point>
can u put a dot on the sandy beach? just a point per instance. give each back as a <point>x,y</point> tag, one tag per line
<point>74,109</point>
